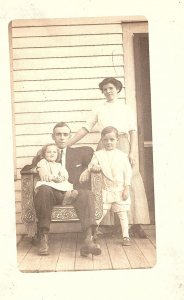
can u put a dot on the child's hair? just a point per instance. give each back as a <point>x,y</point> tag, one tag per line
<point>109,129</point>
<point>44,149</point>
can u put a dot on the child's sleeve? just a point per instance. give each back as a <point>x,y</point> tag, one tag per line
<point>43,167</point>
<point>94,162</point>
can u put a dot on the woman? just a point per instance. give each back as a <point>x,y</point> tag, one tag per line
<point>117,114</point>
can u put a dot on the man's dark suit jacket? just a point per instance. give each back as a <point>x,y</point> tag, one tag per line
<point>77,160</point>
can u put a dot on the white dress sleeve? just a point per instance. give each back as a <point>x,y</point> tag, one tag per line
<point>94,162</point>
<point>92,121</point>
<point>43,165</point>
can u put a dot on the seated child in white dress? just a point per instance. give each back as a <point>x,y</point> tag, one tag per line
<point>57,174</point>
<point>116,179</point>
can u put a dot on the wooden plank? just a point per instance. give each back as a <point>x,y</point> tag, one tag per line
<point>102,262</point>
<point>54,85</point>
<point>31,262</point>
<point>82,263</point>
<point>19,237</point>
<point>77,21</point>
<point>66,30</point>
<point>68,62</point>
<point>22,249</point>
<point>135,256</point>
<point>45,128</point>
<point>48,263</point>
<point>45,95</point>
<point>47,106</point>
<point>39,139</point>
<point>117,254</point>
<point>59,41</point>
<point>67,51</point>
<point>151,235</point>
<point>66,260</point>
<point>148,250</point>
<point>54,116</point>
<point>76,73</point>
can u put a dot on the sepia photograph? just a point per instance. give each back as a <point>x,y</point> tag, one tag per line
<point>83,150</point>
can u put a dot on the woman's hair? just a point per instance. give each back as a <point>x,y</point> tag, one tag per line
<point>109,129</point>
<point>113,81</point>
<point>44,149</point>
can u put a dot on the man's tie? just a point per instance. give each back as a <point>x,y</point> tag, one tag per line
<point>61,156</point>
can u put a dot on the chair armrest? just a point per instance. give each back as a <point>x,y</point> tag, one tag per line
<point>96,187</point>
<point>27,194</point>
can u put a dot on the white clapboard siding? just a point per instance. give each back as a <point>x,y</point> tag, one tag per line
<point>24,129</point>
<point>72,41</point>
<point>57,66</point>
<point>51,85</point>
<point>68,62</point>
<point>72,73</point>
<point>65,30</point>
<point>95,50</point>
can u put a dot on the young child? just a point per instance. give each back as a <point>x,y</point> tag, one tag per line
<point>57,174</point>
<point>116,178</point>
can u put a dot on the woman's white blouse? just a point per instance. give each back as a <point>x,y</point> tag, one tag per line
<point>116,114</point>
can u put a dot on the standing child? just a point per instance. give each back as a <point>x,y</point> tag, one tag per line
<point>57,174</point>
<point>116,178</point>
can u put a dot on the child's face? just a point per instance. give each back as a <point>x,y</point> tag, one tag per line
<point>109,141</point>
<point>51,153</point>
<point>110,92</point>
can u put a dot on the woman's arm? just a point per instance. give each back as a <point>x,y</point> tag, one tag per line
<point>78,136</point>
<point>133,140</point>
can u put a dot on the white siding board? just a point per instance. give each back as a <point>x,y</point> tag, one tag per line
<point>51,85</point>
<point>48,106</point>
<point>26,96</point>
<point>58,41</point>
<point>67,51</point>
<point>77,21</point>
<point>23,75</point>
<point>66,30</point>
<point>69,62</point>
<point>24,129</point>
<point>41,139</point>
<point>51,116</point>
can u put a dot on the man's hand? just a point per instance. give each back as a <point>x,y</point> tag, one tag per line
<point>84,176</point>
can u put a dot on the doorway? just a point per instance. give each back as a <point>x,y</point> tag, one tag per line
<point>143,102</point>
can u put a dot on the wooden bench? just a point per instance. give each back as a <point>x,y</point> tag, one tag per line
<point>59,213</point>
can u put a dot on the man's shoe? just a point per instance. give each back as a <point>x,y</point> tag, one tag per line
<point>90,247</point>
<point>44,247</point>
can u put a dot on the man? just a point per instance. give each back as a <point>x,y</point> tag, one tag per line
<point>76,161</point>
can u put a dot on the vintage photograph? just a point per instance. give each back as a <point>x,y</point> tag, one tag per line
<point>83,151</point>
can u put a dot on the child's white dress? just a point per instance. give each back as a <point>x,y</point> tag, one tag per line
<point>117,174</point>
<point>55,169</point>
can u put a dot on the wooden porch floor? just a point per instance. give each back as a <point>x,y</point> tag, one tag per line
<point>65,254</point>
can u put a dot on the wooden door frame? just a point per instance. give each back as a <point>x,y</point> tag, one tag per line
<point>129,30</point>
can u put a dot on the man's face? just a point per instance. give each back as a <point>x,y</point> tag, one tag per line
<point>61,136</point>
